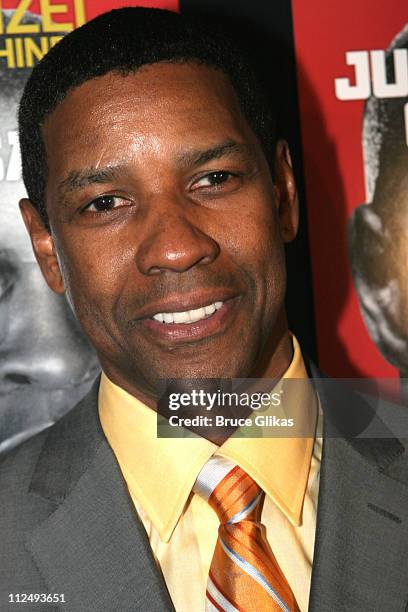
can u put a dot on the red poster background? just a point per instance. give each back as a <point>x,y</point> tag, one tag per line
<point>333,167</point>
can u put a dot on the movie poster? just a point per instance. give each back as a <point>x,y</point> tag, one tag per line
<point>46,364</point>
<point>353,87</point>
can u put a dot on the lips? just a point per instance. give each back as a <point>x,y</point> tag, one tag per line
<point>187,316</point>
<point>183,302</point>
<point>174,321</point>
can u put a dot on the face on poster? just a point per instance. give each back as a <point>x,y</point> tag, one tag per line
<point>46,365</point>
<point>354,129</point>
<point>378,229</point>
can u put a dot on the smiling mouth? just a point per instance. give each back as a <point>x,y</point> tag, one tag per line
<point>179,326</point>
<point>188,316</point>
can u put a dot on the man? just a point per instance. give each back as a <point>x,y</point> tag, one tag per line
<point>378,230</point>
<point>160,203</point>
<point>46,364</point>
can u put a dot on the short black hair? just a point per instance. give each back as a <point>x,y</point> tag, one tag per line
<point>122,41</point>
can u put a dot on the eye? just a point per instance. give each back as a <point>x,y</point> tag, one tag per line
<point>215,179</point>
<point>5,286</point>
<point>107,203</point>
<point>7,278</point>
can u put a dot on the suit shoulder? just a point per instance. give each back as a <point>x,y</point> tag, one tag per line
<point>20,512</point>
<point>25,500</point>
<point>16,466</point>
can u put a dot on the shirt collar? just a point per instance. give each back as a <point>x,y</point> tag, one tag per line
<point>160,472</point>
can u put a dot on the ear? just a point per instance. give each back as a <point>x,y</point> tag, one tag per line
<point>286,192</point>
<point>43,246</point>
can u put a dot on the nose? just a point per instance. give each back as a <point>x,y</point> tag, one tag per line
<point>173,240</point>
<point>44,345</point>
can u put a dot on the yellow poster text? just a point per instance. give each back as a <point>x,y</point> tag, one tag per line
<point>48,8</point>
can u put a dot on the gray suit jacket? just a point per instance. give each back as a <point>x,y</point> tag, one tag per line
<point>68,526</point>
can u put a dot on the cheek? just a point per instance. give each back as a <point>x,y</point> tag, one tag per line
<point>266,257</point>
<point>253,238</point>
<point>93,270</point>
<point>255,245</point>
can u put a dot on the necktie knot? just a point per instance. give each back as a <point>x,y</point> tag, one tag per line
<point>230,491</point>
<point>244,574</point>
<point>236,497</point>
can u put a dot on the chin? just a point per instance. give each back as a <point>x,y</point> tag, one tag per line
<point>208,370</point>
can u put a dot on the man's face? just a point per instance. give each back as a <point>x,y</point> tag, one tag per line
<point>379,251</point>
<point>45,363</point>
<point>167,226</point>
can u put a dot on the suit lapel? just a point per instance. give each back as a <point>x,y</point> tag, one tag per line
<point>360,559</point>
<point>93,547</point>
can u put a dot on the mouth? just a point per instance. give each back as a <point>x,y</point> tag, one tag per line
<point>188,316</point>
<point>180,324</point>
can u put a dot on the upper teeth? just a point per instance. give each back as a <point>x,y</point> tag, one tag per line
<point>188,316</point>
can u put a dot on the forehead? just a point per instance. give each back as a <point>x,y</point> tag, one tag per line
<point>151,86</point>
<point>13,235</point>
<point>175,103</point>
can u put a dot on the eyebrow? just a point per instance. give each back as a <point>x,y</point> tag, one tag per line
<point>78,179</point>
<point>229,147</point>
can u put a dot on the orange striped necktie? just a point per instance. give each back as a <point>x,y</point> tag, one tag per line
<point>244,574</point>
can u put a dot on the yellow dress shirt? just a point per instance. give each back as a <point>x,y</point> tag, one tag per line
<point>181,526</point>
